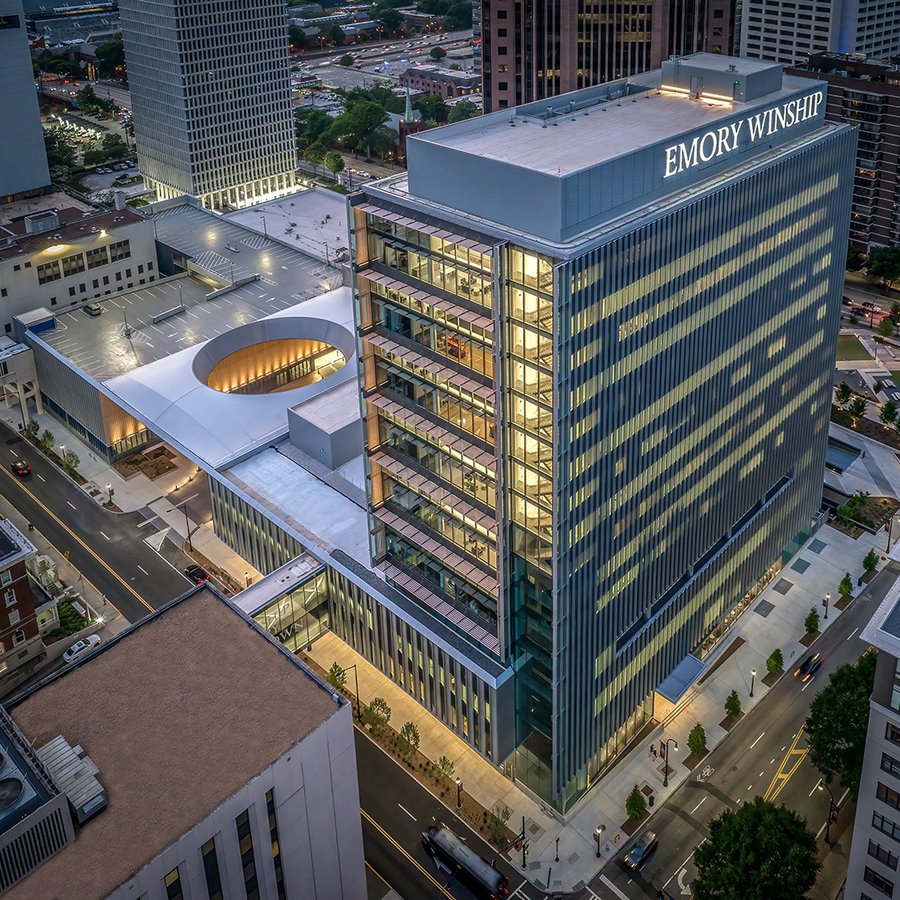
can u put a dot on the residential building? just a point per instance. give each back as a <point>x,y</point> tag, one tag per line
<point>21,647</point>
<point>875,848</point>
<point>787,32</point>
<point>63,258</point>
<point>577,323</point>
<point>538,49</point>
<point>443,83</point>
<point>866,94</point>
<point>221,772</point>
<point>211,99</point>
<point>23,159</point>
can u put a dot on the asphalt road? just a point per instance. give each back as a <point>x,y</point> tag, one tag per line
<point>396,809</point>
<point>107,548</point>
<point>765,754</point>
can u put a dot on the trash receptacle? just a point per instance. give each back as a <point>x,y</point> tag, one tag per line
<point>650,801</point>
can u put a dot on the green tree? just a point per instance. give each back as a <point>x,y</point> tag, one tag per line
<point>837,722</point>
<point>895,311</point>
<point>884,263</point>
<point>697,740</point>
<point>382,142</point>
<point>58,65</point>
<point>61,149</point>
<point>870,561</point>
<point>314,155</point>
<point>296,37</point>
<point>336,36</point>
<point>886,326</point>
<point>356,126</point>
<point>775,662</point>
<point>377,714</point>
<point>465,109</point>
<point>431,107</point>
<point>409,739</point>
<point>733,705</point>
<point>346,60</point>
<point>48,440</point>
<point>496,825</point>
<point>888,413</point>
<point>855,259</point>
<point>388,17</point>
<point>757,852</point>
<point>33,428</point>
<point>111,58</point>
<point>845,588</point>
<point>857,409</point>
<point>70,460</point>
<point>443,768</point>
<point>336,677</point>
<point>636,804</point>
<point>437,53</point>
<point>811,622</point>
<point>842,394</point>
<point>334,162</point>
<point>313,126</point>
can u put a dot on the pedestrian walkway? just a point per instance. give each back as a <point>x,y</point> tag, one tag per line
<point>774,620</point>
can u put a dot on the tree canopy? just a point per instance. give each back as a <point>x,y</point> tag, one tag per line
<point>431,107</point>
<point>884,263</point>
<point>757,852</point>
<point>837,722</point>
<point>111,57</point>
<point>465,109</point>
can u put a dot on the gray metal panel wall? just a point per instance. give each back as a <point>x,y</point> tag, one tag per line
<point>696,356</point>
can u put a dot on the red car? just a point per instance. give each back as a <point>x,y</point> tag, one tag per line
<point>21,468</point>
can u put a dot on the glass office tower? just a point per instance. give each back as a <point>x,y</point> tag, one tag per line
<point>596,345</point>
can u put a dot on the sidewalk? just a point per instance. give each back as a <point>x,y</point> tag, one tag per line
<point>775,619</point>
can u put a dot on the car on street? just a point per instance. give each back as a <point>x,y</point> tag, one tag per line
<point>809,667</point>
<point>81,648</point>
<point>641,850</point>
<point>21,468</point>
<point>197,574</point>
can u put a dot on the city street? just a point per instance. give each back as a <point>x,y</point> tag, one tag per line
<point>107,548</point>
<point>765,754</point>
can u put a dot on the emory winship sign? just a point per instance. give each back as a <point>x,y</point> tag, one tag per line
<point>727,138</point>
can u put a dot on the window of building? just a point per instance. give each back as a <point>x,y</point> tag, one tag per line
<point>245,845</point>
<point>140,270</point>
<point>47,272</point>
<point>96,257</point>
<point>18,637</point>
<point>892,733</point>
<point>14,617</point>
<point>72,291</point>
<point>106,279</point>
<point>150,266</point>
<point>503,86</point>
<point>118,276</point>
<point>82,288</point>
<point>501,32</point>
<point>889,764</point>
<point>883,855</point>
<point>872,877</point>
<point>9,598</point>
<point>172,882</point>
<point>885,826</point>
<point>276,846</point>
<point>6,577</point>
<point>501,13</point>
<point>886,795</point>
<point>211,870</point>
<point>119,250</point>
<point>72,265</point>
<point>3,292</point>
<point>502,51</point>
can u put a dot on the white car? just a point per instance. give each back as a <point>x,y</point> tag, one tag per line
<point>81,648</point>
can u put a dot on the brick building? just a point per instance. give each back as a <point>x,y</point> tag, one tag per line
<point>443,83</point>
<point>20,640</point>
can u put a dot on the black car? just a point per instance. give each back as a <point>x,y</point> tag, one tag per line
<point>21,468</point>
<point>809,667</point>
<point>641,850</point>
<point>197,574</point>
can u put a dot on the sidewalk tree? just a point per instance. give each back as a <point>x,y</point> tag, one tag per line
<point>870,561</point>
<point>855,259</point>
<point>337,36</point>
<point>346,61</point>
<point>845,588</point>
<point>437,53</point>
<point>377,714</point>
<point>886,326</point>
<point>697,740</point>
<point>314,154</point>
<point>757,852</point>
<point>70,460</point>
<point>884,263</point>
<point>775,662</point>
<point>857,409</point>
<point>336,677</point>
<point>496,824</point>
<point>837,722</point>
<point>842,394</point>
<point>334,162</point>
<point>636,804</point>
<point>409,739</point>
<point>811,622</point>
<point>443,768</point>
<point>888,414</point>
<point>33,428</point>
<point>48,440</point>
<point>733,705</point>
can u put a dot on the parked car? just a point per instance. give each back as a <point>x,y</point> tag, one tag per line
<point>641,850</point>
<point>21,468</point>
<point>81,648</point>
<point>93,309</point>
<point>197,574</point>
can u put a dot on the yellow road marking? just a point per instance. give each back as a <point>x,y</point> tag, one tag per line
<point>75,537</point>
<point>415,862</point>
<point>788,766</point>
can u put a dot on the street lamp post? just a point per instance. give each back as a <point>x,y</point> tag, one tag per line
<point>598,834</point>
<point>109,491</point>
<point>666,760</point>
<point>826,603</point>
<point>752,680</point>
<point>265,227</point>
<point>832,811</point>
<point>356,679</point>
<point>458,792</point>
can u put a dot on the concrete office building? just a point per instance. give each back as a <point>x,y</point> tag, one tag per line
<point>875,848</point>
<point>866,94</point>
<point>787,32</point>
<point>211,96</point>
<point>596,344</point>
<point>23,159</point>
<point>539,49</point>
<point>208,773</point>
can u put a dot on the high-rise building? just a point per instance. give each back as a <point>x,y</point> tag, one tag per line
<point>211,97</point>
<point>23,159</point>
<point>872,871</point>
<point>788,32</point>
<point>866,94</point>
<point>596,348</point>
<point>540,48</point>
